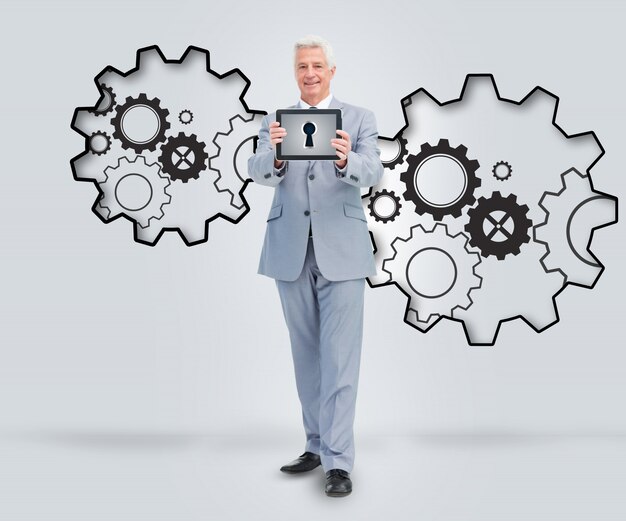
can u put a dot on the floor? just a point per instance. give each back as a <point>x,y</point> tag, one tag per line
<point>62,475</point>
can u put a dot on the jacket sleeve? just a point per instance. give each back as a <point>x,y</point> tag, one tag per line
<point>364,167</point>
<point>261,165</point>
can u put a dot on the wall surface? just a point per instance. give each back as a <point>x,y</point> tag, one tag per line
<point>102,334</point>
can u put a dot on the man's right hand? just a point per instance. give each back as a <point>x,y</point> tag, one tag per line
<point>277,133</point>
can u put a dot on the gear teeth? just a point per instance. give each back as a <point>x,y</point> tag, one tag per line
<point>149,54</point>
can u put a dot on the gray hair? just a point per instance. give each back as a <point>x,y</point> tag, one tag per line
<point>312,41</point>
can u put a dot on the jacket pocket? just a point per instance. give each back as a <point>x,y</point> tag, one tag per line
<point>356,212</point>
<point>275,212</point>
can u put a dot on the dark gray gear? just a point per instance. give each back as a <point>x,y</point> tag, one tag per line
<point>185,116</point>
<point>502,171</point>
<point>400,156</point>
<point>106,101</point>
<point>99,143</point>
<point>183,157</point>
<point>459,154</point>
<point>380,195</point>
<point>128,141</point>
<point>483,212</point>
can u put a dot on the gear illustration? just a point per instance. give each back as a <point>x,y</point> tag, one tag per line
<point>502,171</point>
<point>521,277</point>
<point>185,117</point>
<point>399,154</point>
<point>440,180</point>
<point>571,215</point>
<point>140,123</point>
<point>498,225</point>
<point>106,102</point>
<point>183,157</point>
<point>173,128</point>
<point>99,143</point>
<point>384,206</point>
<point>136,189</point>
<point>234,148</point>
<point>435,270</point>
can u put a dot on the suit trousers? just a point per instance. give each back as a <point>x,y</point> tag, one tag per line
<point>325,323</point>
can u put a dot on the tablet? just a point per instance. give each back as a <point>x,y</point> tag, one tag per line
<point>309,132</point>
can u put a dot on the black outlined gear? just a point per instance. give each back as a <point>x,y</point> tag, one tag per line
<point>155,184</point>
<point>388,196</point>
<point>128,141</point>
<point>183,157</point>
<point>442,149</point>
<point>484,212</point>
<point>452,289</point>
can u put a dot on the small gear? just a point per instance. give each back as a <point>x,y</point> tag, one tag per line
<point>435,270</point>
<point>384,206</point>
<point>429,174</point>
<point>502,170</point>
<point>183,157</point>
<point>140,123</point>
<point>497,211</point>
<point>136,189</point>
<point>99,143</point>
<point>106,101</point>
<point>400,154</point>
<point>185,117</point>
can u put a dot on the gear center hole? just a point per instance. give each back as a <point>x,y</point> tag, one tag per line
<point>440,181</point>
<point>431,272</point>
<point>140,124</point>
<point>384,206</point>
<point>133,192</point>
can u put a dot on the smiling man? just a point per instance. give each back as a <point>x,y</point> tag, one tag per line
<point>317,247</point>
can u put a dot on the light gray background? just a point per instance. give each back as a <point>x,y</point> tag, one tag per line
<point>156,383</point>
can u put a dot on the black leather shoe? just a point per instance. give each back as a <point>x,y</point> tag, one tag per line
<point>304,463</point>
<point>338,483</point>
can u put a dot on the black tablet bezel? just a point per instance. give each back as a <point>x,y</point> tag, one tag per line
<point>303,157</point>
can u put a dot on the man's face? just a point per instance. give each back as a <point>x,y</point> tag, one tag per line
<point>312,74</point>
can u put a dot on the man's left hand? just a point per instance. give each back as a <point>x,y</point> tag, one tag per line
<point>343,146</point>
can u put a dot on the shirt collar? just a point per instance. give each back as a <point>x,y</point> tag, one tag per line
<point>321,105</point>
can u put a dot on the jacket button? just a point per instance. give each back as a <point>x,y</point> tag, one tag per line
<point>354,178</point>
<point>267,176</point>
<point>311,177</point>
<point>307,213</point>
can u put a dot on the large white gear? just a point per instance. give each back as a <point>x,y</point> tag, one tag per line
<point>435,270</point>
<point>135,189</point>
<point>571,215</point>
<point>520,278</point>
<point>144,119</point>
<point>234,148</point>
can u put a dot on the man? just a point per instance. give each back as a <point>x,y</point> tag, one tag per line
<point>317,247</point>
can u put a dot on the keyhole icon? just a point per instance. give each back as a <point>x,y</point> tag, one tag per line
<point>309,128</point>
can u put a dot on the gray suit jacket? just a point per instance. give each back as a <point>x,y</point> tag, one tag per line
<point>309,193</point>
